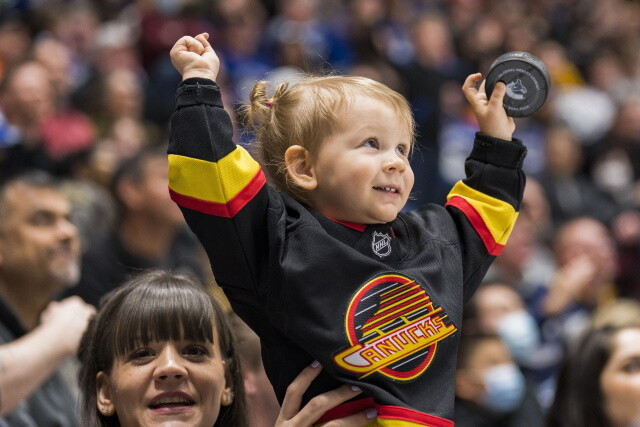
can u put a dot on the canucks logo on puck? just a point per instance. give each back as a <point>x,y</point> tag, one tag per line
<point>516,90</point>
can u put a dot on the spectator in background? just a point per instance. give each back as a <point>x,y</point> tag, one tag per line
<point>49,136</point>
<point>75,24</point>
<point>524,264</point>
<point>156,338</point>
<point>242,25</point>
<point>366,26</point>
<point>160,335</point>
<point>585,280</point>
<point>121,98</point>
<point>39,257</point>
<point>598,385</point>
<point>435,62</point>
<point>57,58</point>
<point>570,192</point>
<point>298,36</point>
<point>535,207</point>
<point>14,44</point>
<point>157,25</point>
<point>498,309</point>
<point>622,312</point>
<point>68,134</point>
<point>150,231</point>
<point>626,230</point>
<point>490,389</point>
<point>27,98</point>
<point>121,126</point>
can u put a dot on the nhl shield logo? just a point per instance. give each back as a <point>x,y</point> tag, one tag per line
<point>381,244</point>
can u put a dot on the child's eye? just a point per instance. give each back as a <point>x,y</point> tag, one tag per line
<point>371,142</point>
<point>402,150</point>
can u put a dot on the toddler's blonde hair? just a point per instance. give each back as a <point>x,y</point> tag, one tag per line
<point>305,114</point>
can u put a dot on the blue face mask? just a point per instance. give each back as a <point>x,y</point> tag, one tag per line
<point>168,7</point>
<point>520,333</point>
<point>504,385</point>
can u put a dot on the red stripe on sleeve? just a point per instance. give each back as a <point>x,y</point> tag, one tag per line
<point>385,412</point>
<point>493,247</point>
<point>346,409</point>
<point>226,210</point>
<point>398,413</point>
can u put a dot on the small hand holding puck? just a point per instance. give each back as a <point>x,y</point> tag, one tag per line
<point>527,81</point>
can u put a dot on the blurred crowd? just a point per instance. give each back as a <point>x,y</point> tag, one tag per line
<point>87,89</point>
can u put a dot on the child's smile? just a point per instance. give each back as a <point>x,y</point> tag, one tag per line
<point>362,170</point>
<point>388,189</point>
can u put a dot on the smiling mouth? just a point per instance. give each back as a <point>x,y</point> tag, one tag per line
<point>387,189</point>
<point>171,402</point>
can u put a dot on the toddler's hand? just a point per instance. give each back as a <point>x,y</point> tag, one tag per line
<point>491,115</point>
<point>194,57</point>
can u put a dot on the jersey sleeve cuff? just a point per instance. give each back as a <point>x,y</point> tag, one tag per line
<point>498,152</point>
<point>196,91</point>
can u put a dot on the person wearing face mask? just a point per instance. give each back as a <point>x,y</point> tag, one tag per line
<point>498,308</point>
<point>599,383</point>
<point>490,388</point>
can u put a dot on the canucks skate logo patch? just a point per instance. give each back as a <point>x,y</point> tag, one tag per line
<point>516,90</point>
<point>393,329</point>
<point>381,244</point>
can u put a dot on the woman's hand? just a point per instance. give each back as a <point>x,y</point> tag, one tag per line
<point>194,57</point>
<point>491,115</point>
<point>292,416</point>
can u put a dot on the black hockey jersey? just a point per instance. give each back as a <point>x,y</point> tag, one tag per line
<point>380,306</point>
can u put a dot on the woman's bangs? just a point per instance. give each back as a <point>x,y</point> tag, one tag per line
<point>154,316</point>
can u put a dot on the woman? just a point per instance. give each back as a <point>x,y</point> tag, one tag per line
<point>599,384</point>
<point>160,349</point>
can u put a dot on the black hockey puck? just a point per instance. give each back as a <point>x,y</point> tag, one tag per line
<point>527,81</point>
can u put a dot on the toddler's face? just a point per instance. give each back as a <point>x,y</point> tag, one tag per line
<point>362,170</point>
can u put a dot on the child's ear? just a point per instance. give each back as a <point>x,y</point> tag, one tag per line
<point>300,169</point>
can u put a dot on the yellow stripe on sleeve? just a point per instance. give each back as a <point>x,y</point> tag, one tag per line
<point>498,216</point>
<point>217,182</point>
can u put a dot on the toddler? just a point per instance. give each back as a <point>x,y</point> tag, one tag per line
<point>321,262</point>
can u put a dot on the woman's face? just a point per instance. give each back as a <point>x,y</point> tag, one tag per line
<point>166,383</point>
<point>620,380</point>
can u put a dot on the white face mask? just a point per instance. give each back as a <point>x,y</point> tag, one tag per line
<point>520,333</point>
<point>504,385</point>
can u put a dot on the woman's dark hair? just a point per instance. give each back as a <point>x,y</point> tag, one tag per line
<point>155,306</point>
<point>578,398</point>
